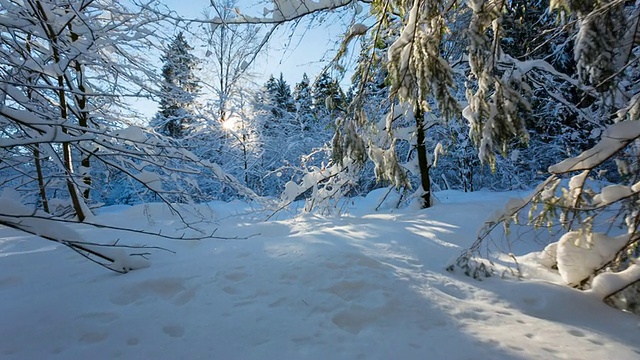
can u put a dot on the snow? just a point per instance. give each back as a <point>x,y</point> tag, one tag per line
<point>436,153</point>
<point>358,29</point>
<point>150,179</point>
<point>19,216</point>
<point>579,255</point>
<point>368,285</point>
<point>286,10</point>
<point>615,137</point>
<point>133,134</point>
<point>612,193</point>
<point>607,283</point>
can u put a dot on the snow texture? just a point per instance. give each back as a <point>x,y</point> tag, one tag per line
<point>150,179</point>
<point>607,283</point>
<point>18,216</point>
<point>579,255</point>
<point>369,285</point>
<point>12,212</point>
<point>358,29</point>
<point>612,193</point>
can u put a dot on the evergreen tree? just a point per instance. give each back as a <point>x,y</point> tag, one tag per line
<point>505,67</point>
<point>281,138</point>
<point>179,88</point>
<point>371,71</point>
<point>283,95</point>
<point>266,95</point>
<point>303,102</point>
<point>277,96</point>
<point>327,95</point>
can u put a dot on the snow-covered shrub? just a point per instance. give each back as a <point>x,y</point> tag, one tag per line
<point>600,223</point>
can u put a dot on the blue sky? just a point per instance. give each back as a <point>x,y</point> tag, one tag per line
<point>307,48</point>
<point>290,52</point>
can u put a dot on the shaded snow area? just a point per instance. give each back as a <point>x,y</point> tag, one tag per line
<point>368,285</point>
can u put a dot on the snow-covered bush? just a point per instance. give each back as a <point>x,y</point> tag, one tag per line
<point>595,227</point>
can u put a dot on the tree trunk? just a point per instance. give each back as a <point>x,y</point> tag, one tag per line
<point>41,185</point>
<point>83,120</point>
<point>62,103</point>
<point>66,149</point>
<point>36,149</point>
<point>423,160</point>
<point>246,160</point>
<point>80,99</point>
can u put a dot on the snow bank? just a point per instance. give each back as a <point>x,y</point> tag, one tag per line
<point>607,283</point>
<point>371,285</point>
<point>17,216</point>
<point>579,255</point>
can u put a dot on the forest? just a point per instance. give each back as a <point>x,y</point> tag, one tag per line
<point>425,112</point>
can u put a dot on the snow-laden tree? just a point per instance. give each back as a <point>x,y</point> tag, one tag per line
<point>179,88</point>
<point>278,97</point>
<point>62,68</point>
<point>281,134</point>
<point>230,53</point>
<point>598,232</point>
<point>502,88</point>
<point>302,100</point>
<point>67,68</point>
<point>327,95</point>
<point>420,82</point>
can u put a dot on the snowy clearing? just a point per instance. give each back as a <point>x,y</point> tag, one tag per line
<point>368,285</point>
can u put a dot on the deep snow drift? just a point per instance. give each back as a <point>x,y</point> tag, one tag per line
<point>368,285</point>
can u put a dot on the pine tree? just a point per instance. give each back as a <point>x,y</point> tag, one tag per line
<point>303,102</point>
<point>179,88</point>
<point>269,90</point>
<point>283,97</point>
<point>503,72</point>
<point>277,96</point>
<point>371,71</point>
<point>327,95</point>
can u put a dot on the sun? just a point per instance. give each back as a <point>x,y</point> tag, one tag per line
<point>230,124</point>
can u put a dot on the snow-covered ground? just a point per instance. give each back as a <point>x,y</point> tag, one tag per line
<point>367,285</point>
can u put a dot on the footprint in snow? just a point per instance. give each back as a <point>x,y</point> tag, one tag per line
<point>102,317</point>
<point>236,276</point>
<point>452,290</point>
<point>174,290</point>
<point>10,281</point>
<point>502,312</point>
<point>173,330</point>
<point>596,342</point>
<point>576,333</point>
<point>474,313</point>
<point>550,350</point>
<point>355,319</point>
<point>93,337</point>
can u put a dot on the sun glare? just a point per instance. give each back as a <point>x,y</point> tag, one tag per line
<point>230,124</point>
